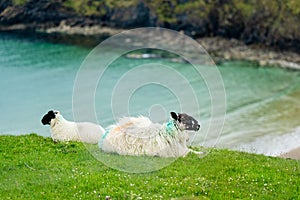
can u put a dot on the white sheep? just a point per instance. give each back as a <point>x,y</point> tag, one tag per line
<point>139,136</point>
<point>64,130</point>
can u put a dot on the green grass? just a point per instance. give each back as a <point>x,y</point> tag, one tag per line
<point>19,2</point>
<point>33,167</point>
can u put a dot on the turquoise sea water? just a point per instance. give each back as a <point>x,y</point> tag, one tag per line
<point>262,112</point>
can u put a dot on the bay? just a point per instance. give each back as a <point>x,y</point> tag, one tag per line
<point>262,103</point>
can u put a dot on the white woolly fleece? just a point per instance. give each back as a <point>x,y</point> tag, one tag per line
<point>139,136</point>
<point>63,130</point>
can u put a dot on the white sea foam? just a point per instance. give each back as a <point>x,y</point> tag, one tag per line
<point>272,145</point>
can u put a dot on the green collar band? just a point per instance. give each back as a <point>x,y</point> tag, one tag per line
<point>103,138</point>
<point>171,127</point>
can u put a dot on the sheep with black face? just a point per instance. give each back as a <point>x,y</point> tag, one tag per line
<point>64,130</point>
<point>139,136</point>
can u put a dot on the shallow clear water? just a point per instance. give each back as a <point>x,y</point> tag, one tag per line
<point>263,108</point>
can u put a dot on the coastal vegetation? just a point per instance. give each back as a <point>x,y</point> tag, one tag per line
<point>35,167</point>
<point>272,23</point>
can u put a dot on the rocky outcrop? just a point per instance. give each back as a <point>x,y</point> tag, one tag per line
<point>44,14</point>
<point>35,14</point>
<point>231,49</point>
<point>271,23</point>
<point>130,17</point>
<point>4,4</point>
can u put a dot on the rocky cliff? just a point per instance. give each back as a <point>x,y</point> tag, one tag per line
<point>273,23</point>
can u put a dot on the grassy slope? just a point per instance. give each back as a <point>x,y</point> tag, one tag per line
<point>33,167</point>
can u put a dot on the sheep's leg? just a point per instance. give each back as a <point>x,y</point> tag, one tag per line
<point>196,152</point>
<point>189,150</point>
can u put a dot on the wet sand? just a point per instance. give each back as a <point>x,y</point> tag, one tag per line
<point>294,154</point>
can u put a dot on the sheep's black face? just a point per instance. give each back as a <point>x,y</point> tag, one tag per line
<point>185,122</point>
<point>47,118</point>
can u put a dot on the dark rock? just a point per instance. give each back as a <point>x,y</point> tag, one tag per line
<point>191,25</point>
<point>130,17</point>
<point>35,12</point>
<point>4,4</point>
<point>229,26</point>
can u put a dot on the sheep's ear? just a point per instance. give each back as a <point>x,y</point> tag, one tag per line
<point>174,115</point>
<point>47,118</point>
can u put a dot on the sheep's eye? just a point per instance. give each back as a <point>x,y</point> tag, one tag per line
<point>179,119</point>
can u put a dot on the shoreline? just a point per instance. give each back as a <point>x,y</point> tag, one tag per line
<point>221,49</point>
<point>293,154</point>
<point>232,49</point>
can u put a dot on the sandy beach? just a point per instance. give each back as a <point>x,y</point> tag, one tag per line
<point>294,154</point>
